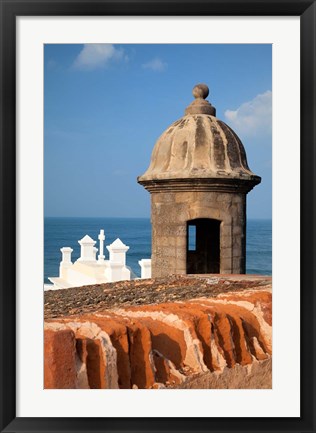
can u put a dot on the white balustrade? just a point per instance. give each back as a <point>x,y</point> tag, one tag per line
<point>87,270</point>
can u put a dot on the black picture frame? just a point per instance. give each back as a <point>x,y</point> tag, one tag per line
<point>10,10</point>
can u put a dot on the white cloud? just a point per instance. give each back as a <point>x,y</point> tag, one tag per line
<point>156,65</point>
<point>93,56</point>
<point>252,118</point>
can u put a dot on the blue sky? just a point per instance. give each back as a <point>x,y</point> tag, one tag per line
<point>105,106</point>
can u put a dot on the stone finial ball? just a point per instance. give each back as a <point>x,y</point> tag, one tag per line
<point>201,91</point>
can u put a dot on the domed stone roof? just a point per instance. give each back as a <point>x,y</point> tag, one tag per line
<point>199,146</point>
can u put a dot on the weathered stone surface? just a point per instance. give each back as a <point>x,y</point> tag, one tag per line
<point>191,343</point>
<point>169,221</point>
<point>198,146</point>
<point>78,300</point>
<point>60,359</point>
<point>94,358</point>
<point>257,375</point>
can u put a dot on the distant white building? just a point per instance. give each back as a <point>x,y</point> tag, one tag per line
<point>91,270</point>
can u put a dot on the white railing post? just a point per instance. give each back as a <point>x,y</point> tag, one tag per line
<point>65,263</point>
<point>145,266</point>
<point>117,251</point>
<point>88,251</point>
<point>117,269</point>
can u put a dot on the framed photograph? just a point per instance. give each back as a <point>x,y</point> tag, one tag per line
<point>115,76</point>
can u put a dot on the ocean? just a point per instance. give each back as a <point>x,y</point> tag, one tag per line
<point>136,233</point>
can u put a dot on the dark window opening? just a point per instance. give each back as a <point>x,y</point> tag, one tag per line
<point>203,246</point>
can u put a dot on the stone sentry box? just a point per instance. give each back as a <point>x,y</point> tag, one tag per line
<point>198,179</point>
